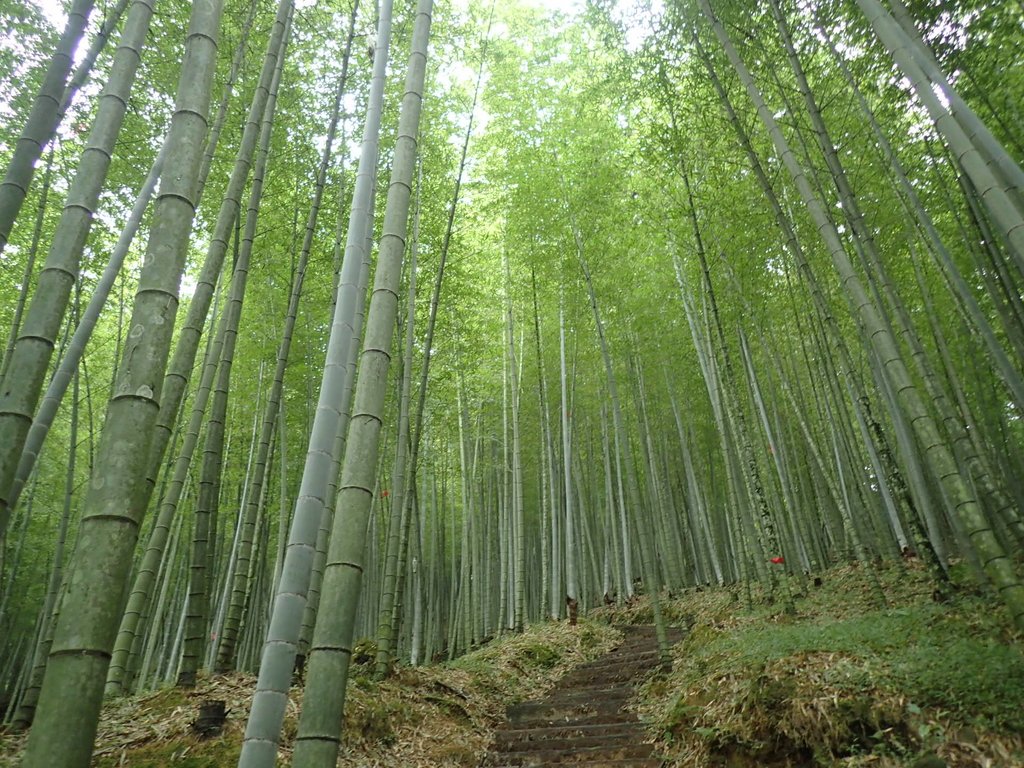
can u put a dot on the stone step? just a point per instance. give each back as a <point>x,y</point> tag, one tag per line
<point>635,644</point>
<point>627,675</point>
<point>542,720</point>
<point>563,731</point>
<point>634,631</point>
<point>581,693</point>
<point>572,702</point>
<point>587,756</point>
<point>640,762</point>
<point>571,737</point>
<point>624,739</point>
<point>643,655</point>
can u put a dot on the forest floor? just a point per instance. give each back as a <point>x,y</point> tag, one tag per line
<point>432,716</point>
<point>840,682</point>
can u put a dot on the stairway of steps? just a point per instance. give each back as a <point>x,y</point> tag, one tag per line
<point>583,720</point>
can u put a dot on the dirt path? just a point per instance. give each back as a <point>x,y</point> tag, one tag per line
<point>583,721</point>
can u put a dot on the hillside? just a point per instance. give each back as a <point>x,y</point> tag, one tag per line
<point>843,682</point>
<point>839,683</point>
<point>419,323</point>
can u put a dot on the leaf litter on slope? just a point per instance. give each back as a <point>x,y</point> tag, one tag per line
<point>842,682</point>
<point>433,716</point>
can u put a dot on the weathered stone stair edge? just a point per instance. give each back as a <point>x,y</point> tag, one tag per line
<point>625,662</point>
<point>623,738</point>
<point>597,718</point>
<point>564,731</point>
<point>578,755</point>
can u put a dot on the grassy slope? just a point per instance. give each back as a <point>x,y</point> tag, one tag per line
<point>840,683</point>
<point>843,682</point>
<point>434,716</point>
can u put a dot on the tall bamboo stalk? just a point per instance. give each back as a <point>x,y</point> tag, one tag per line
<point>319,733</point>
<point>69,703</point>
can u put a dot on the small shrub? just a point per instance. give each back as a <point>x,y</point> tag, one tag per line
<point>541,655</point>
<point>588,637</point>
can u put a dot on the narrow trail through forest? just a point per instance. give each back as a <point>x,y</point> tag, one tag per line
<point>584,719</point>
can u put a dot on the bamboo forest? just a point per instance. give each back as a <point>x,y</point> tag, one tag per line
<point>542,382</point>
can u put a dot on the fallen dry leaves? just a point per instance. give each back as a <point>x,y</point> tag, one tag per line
<point>439,716</point>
